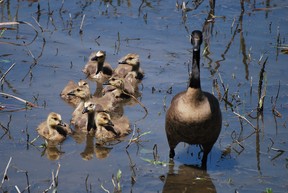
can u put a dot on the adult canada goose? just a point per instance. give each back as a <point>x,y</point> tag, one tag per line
<point>194,116</point>
<point>53,130</point>
<point>105,128</point>
<point>70,87</point>
<point>129,63</point>
<point>97,69</point>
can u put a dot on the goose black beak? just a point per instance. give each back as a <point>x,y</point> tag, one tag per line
<point>196,40</point>
<point>196,46</point>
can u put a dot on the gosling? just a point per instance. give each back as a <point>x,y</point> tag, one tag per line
<point>71,85</point>
<point>53,130</point>
<point>98,70</point>
<point>104,126</point>
<point>194,116</point>
<point>83,93</point>
<point>128,63</point>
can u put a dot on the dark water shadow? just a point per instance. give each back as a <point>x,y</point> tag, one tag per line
<point>217,159</point>
<point>188,178</point>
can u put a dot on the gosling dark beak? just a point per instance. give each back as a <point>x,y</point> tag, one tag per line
<point>71,93</point>
<point>121,61</point>
<point>110,127</point>
<point>95,58</point>
<point>61,123</point>
<point>110,123</point>
<point>106,83</point>
<point>85,110</point>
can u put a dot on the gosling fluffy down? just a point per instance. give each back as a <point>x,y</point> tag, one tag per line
<point>54,130</point>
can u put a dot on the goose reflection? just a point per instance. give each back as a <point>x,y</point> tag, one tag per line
<point>101,152</point>
<point>88,152</point>
<point>188,178</point>
<point>52,152</point>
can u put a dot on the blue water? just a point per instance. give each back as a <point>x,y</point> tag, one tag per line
<point>238,44</point>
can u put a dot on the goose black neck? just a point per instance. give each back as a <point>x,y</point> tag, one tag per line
<point>195,75</point>
<point>91,121</point>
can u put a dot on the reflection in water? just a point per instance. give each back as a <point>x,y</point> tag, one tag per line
<point>101,152</point>
<point>88,152</point>
<point>79,136</point>
<point>245,59</point>
<point>188,179</point>
<point>208,30</point>
<point>52,152</point>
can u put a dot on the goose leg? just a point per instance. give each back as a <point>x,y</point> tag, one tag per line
<point>206,148</point>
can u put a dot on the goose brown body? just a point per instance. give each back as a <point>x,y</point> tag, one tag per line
<point>194,116</point>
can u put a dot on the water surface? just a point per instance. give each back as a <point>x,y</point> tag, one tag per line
<point>238,39</point>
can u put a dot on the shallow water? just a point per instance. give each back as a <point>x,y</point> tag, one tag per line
<point>236,47</point>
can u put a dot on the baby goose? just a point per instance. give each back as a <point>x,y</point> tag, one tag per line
<point>53,130</point>
<point>104,127</point>
<point>97,117</point>
<point>83,93</point>
<point>68,88</point>
<point>129,63</point>
<point>194,116</point>
<point>124,89</point>
<point>101,122</point>
<point>124,85</point>
<point>96,65</point>
<point>97,69</point>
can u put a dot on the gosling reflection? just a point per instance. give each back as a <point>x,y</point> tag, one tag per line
<point>52,152</point>
<point>101,152</point>
<point>88,152</point>
<point>188,179</point>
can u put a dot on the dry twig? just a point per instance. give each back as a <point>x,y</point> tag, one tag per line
<point>19,99</point>
<point>10,68</point>
<point>244,118</point>
<point>5,177</point>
